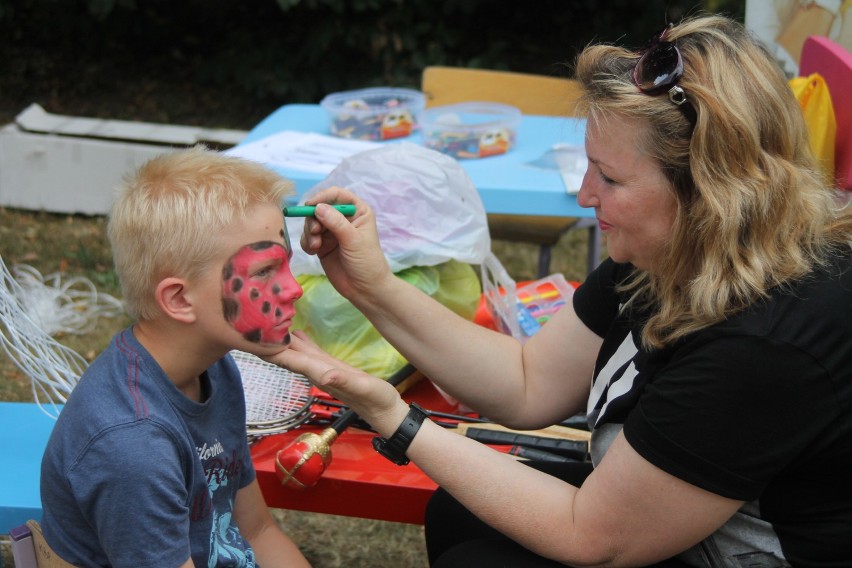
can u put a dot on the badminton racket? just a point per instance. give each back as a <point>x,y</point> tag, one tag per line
<point>277,399</point>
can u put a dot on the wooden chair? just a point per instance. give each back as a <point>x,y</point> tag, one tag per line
<point>45,556</point>
<point>834,62</point>
<point>532,94</point>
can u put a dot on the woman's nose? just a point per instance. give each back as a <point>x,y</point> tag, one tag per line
<point>587,197</point>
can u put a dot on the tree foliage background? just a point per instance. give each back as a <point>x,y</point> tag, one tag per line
<point>229,63</point>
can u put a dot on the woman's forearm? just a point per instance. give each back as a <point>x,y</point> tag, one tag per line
<point>468,361</point>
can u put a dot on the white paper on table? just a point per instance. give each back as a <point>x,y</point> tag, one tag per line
<point>305,151</point>
<point>572,162</point>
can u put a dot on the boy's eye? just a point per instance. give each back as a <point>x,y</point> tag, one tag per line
<point>263,272</point>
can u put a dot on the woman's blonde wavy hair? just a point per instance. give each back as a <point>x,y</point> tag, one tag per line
<point>168,216</point>
<point>753,212</point>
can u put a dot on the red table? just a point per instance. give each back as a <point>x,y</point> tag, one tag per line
<point>358,482</point>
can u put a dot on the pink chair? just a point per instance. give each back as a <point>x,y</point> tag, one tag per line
<point>832,61</point>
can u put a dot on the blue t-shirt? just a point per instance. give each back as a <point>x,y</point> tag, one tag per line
<point>136,474</point>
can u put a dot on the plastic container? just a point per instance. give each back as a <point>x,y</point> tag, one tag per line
<point>380,113</point>
<point>470,130</point>
<point>520,311</point>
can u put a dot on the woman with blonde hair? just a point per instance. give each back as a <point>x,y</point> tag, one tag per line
<point>711,352</point>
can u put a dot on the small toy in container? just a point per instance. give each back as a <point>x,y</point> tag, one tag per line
<point>380,113</point>
<point>470,130</point>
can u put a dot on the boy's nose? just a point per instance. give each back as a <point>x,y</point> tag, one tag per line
<point>289,291</point>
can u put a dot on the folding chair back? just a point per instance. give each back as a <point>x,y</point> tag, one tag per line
<point>45,556</point>
<point>532,94</point>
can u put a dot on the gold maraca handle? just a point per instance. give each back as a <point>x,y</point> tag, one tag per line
<point>300,470</point>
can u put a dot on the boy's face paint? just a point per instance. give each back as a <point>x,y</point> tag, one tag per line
<point>258,292</point>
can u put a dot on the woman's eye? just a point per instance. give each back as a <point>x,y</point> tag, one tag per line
<point>603,177</point>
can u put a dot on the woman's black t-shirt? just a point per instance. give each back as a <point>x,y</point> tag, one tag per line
<point>756,408</point>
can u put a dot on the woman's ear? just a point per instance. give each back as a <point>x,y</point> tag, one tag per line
<point>173,298</point>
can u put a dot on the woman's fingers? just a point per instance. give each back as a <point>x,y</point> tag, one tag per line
<point>307,358</point>
<point>322,232</point>
<point>372,398</point>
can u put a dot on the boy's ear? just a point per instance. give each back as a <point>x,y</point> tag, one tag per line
<point>173,298</point>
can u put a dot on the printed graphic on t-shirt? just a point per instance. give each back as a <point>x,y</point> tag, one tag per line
<point>227,546</point>
<point>615,380</point>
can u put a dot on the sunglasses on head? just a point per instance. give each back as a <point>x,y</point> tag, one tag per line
<point>658,70</point>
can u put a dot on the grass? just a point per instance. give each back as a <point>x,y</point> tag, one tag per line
<point>75,245</point>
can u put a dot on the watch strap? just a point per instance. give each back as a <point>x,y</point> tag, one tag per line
<point>394,448</point>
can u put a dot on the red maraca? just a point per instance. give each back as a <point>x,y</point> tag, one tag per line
<point>301,464</point>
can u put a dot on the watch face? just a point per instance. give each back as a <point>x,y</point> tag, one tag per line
<point>383,447</point>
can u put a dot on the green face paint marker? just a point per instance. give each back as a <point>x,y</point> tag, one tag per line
<point>310,210</point>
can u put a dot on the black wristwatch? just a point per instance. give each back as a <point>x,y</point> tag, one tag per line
<point>394,448</point>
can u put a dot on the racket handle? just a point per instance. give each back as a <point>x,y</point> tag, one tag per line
<point>346,419</point>
<point>538,455</point>
<point>572,449</point>
<point>301,464</point>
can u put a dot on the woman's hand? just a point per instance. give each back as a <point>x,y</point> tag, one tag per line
<point>348,248</point>
<point>373,399</point>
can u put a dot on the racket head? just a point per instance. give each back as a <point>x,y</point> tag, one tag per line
<point>277,399</point>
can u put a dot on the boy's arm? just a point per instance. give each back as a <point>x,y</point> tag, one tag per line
<point>272,547</point>
<point>133,504</point>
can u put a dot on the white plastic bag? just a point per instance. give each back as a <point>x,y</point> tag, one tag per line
<point>427,209</point>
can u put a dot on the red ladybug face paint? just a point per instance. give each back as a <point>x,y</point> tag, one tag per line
<point>258,293</point>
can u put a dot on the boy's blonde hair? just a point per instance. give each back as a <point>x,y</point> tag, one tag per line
<point>168,215</point>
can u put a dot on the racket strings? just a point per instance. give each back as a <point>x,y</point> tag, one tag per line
<point>277,399</point>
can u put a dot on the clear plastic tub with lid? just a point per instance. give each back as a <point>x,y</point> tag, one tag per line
<point>470,130</point>
<point>380,113</point>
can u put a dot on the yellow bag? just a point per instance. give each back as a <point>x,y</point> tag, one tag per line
<point>334,324</point>
<point>815,100</point>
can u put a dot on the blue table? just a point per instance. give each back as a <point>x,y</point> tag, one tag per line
<point>507,184</point>
<point>24,430</point>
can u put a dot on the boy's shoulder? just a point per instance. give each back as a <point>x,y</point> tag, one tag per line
<point>123,384</point>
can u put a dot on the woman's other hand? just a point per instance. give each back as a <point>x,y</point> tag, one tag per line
<point>373,399</point>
